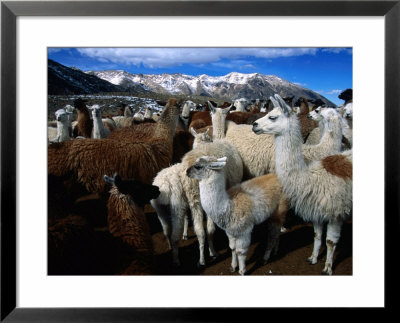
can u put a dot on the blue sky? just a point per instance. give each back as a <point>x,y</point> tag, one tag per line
<point>327,71</point>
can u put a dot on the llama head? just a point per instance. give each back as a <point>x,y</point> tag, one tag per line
<point>331,118</point>
<point>69,108</point>
<point>315,114</point>
<point>139,192</point>
<point>185,115</point>
<point>217,113</point>
<point>200,137</point>
<point>275,122</point>
<point>62,115</point>
<point>241,104</point>
<point>80,104</point>
<point>346,95</point>
<point>187,107</point>
<point>96,110</point>
<point>348,111</point>
<point>204,166</point>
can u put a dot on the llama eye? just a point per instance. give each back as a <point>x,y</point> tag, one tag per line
<point>197,167</point>
<point>273,118</point>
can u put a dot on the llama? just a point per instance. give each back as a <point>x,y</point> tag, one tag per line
<point>320,192</point>
<point>348,117</point>
<point>85,124</point>
<point>180,194</point>
<point>127,221</point>
<point>237,210</point>
<point>63,119</point>
<point>346,95</point>
<point>307,125</point>
<point>241,104</point>
<point>101,127</point>
<point>187,107</point>
<point>331,135</point>
<point>87,160</point>
<point>316,134</point>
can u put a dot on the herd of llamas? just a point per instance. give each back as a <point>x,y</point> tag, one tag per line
<point>228,167</point>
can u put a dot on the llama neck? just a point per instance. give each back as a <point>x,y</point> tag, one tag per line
<point>332,138</point>
<point>218,123</point>
<point>98,127</point>
<point>167,123</point>
<point>214,199</point>
<point>62,131</point>
<point>304,110</point>
<point>290,166</point>
<point>321,126</point>
<point>85,124</point>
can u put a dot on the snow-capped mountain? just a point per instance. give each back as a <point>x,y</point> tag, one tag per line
<point>231,86</point>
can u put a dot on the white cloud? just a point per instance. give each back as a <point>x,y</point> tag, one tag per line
<point>337,50</point>
<point>331,92</point>
<point>167,57</point>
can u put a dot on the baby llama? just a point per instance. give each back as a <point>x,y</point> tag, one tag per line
<point>179,193</point>
<point>127,221</point>
<point>239,209</point>
<point>320,192</point>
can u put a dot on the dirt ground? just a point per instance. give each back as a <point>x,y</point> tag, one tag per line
<point>91,250</point>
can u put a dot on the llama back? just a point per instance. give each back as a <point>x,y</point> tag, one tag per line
<point>90,159</point>
<point>257,152</point>
<point>325,199</point>
<point>259,196</point>
<point>127,222</point>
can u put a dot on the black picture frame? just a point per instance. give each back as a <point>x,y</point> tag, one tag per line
<point>10,10</point>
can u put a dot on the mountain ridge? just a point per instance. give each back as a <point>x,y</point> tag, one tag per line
<point>231,86</point>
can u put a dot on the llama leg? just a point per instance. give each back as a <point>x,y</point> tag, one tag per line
<point>274,227</point>
<point>197,214</point>
<point>232,245</point>
<point>210,237</point>
<point>185,227</point>
<point>242,247</point>
<point>163,217</point>
<point>177,227</point>
<point>274,231</point>
<point>317,243</point>
<point>332,238</point>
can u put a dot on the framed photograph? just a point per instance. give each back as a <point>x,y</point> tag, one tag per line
<point>32,32</point>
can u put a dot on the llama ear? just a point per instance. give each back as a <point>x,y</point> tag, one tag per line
<point>275,103</point>
<point>226,110</point>
<point>193,132</point>
<point>207,131</point>
<point>212,108</point>
<point>284,106</point>
<point>219,164</point>
<point>108,180</point>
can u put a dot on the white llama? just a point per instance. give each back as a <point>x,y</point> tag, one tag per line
<point>63,119</point>
<point>320,192</point>
<point>99,130</point>
<point>244,205</point>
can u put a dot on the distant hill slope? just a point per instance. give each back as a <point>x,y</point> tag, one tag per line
<point>63,80</point>
<point>230,87</point>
